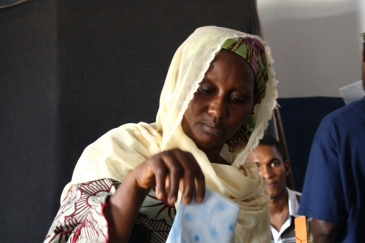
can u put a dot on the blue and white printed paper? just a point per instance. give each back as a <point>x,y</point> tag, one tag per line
<point>211,221</point>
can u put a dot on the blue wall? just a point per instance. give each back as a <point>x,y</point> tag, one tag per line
<point>301,117</point>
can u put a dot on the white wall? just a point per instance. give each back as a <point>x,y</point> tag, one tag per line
<point>316,44</point>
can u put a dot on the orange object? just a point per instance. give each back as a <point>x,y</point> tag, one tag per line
<point>300,225</point>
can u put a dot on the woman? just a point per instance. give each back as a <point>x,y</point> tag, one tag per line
<point>217,99</point>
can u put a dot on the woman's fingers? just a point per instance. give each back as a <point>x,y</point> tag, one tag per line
<point>169,181</point>
<point>160,172</point>
<point>191,180</point>
<point>176,171</point>
<point>170,169</point>
<point>188,179</point>
<point>199,180</point>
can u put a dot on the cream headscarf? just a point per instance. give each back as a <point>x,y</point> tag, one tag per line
<point>123,148</point>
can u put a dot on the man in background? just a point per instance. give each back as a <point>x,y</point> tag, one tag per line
<point>334,186</point>
<point>284,203</point>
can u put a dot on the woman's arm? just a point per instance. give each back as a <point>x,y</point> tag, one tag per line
<point>80,216</point>
<point>93,212</point>
<point>122,210</point>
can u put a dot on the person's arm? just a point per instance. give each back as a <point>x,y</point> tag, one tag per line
<point>122,209</point>
<point>323,232</point>
<point>80,217</point>
<point>91,213</point>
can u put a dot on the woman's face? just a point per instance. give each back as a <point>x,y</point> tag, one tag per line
<point>222,103</point>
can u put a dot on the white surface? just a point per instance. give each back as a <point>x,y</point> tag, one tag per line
<point>316,44</point>
<point>352,92</point>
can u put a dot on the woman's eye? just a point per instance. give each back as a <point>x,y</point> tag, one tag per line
<point>204,89</point>
<point>238,98</point>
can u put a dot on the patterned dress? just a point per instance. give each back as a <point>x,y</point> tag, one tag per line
<point>81,215</point>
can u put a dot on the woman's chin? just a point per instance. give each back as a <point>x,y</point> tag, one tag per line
<point>209,145</point>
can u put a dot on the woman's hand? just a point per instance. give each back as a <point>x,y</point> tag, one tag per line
<point>171,171</point>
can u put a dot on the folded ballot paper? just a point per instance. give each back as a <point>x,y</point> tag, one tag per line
<point>211,221</point>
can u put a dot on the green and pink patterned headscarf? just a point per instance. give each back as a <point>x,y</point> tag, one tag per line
<point>253,52</point>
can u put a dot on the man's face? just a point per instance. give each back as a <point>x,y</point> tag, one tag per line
<point>272,167</point>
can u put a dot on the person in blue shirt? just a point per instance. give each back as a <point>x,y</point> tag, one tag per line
<point>334,186</point>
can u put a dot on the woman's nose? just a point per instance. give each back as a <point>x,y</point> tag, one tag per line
<point>218,107</point>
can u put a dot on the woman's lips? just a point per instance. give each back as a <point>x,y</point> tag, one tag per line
<point>212,127</point>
